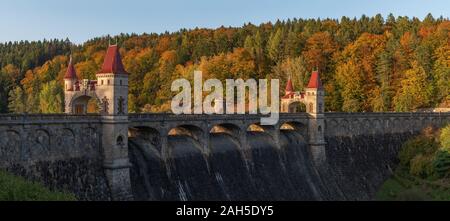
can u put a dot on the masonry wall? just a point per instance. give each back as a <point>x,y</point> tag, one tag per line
<point>361,153</point>
<point>62,152</point>
<point>362,149</point>
<point>65,152</point>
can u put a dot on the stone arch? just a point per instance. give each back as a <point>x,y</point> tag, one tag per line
<point>396,124</point>
<point>66,138</point>
<point>255,127</point>
<point>10,146</point>
<point>271,130</point>
<point>377,126</point>
<point>237,135</point>
<point>331,125</point>
<point>366,125</point>
<point>149,134</point>
<point>295,107</point>
<point>356,124</point>
<point>90,138</point>
<point>79,104</point>
<point>120,141</point>
<point>343,127</point>
<point>295,126</point>
<point>40,141</point>
<point>192,131</point>
<point>227,128</point>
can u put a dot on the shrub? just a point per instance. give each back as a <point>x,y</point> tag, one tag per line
<point>441,163</point>
<point>420,145</point>
<point>13,188</point>
<point>444,138</point>
<point>422,166</point>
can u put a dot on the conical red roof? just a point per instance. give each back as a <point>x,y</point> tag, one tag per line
<point>289,87</point>
<point>113,62</point>
<point>70,73</point>
<point>314,81</point>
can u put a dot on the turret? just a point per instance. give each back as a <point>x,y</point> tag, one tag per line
<point>70,78</point>
<point>289,88</point>
<point>70,86</point>
<point>112,84</point>
<point>112,91</point>
<point>314,100</point>
<point>314,95</point>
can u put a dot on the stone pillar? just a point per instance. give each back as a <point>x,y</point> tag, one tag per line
<point>316,133</point>
<point>116,161</point>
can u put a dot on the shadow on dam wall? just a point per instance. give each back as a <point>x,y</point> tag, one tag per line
<point>355,168</point>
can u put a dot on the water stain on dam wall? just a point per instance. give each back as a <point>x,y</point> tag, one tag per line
<point>354,170</point>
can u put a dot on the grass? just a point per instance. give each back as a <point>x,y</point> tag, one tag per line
<point>404,187</point>
<point>13,188</point>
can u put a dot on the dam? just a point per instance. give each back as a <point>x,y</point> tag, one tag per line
<point>67,152</point>
<point>116,155</point>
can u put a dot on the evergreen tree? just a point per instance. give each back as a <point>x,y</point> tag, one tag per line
<point>51,98</point>
<point>17,100</point>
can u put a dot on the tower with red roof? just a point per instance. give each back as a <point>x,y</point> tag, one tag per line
<point>70,85</point>
<point>313,99</point>
<point>112,84</point>
<point>110,91</point>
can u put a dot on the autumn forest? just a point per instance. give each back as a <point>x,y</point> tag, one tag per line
<point>366,64</point>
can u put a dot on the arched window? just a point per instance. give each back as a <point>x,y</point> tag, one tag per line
<point>119,140</point>
<point>319,129</point>
<point>311,107</point>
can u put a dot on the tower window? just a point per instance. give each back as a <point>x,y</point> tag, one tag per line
<point>119,140</point>
<point>102,82</point>
<point>311,107</point>
<point>121,106</point>
<point>108,82</point>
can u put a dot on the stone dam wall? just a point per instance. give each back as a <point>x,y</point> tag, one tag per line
<point>355,168</point>
<point>361,153</point>
<point>62,152</point>
<point>66,153</point>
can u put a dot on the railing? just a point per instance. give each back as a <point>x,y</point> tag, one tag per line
<point>385,114</point>
<point>11,118</point>
<point>196,117</point>
<point>18,118</point>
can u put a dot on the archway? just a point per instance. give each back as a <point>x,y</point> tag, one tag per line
<point>230,129</point>
<point>296,127</point>
<point>85,105</point>
<point>296,106</point>
<point>146,134</point>
<point>187,130</point>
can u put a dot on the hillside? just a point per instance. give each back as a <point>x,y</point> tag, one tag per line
<point>367,64</point>
<point>424,169</point>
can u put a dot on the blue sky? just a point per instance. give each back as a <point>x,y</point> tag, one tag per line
<point>80,20</point>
